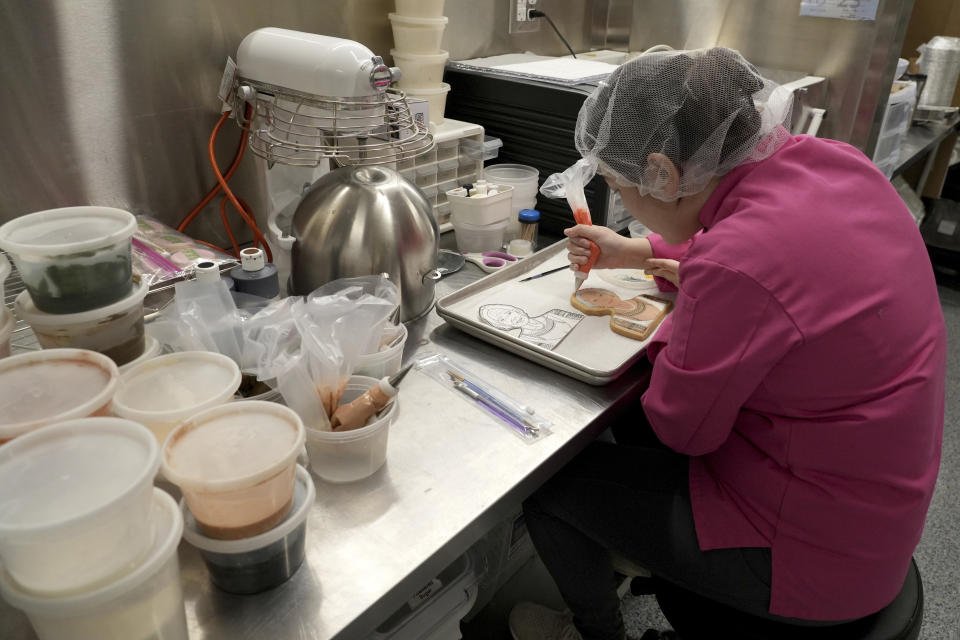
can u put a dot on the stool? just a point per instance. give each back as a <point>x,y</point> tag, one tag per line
<point>695,617</point>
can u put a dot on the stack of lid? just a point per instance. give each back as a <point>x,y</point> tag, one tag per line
<point>80,292</point>
<point>88,546</point>
<point>418,27</point>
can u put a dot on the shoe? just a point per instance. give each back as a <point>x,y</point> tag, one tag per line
<point>530,621</point>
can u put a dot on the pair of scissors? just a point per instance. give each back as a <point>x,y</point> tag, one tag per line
<point>491,261</point>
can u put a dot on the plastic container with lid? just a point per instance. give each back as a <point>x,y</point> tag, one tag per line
<point>476,210</point>
<point>417,35</point>
<point>352,455</point>
<point>436,97</point>
<point>162,392</point>
<point>261,562</point>
<point>75,504</point>
<point>420,70</point>
<point>235,466</point>
<point>54,385</point>
<point>476,238</point>
<point>387,360</point>
<point>420,8</point>
<point>151,349</point>
<point>529,225</point>
<point>145,603</point>
<point>7,324</point>
<point>116,330</point>
<point>476,149</point>
<point>72,259</point>
<point>523,178</point>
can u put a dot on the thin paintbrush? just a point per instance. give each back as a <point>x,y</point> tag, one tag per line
<point>545,273</point>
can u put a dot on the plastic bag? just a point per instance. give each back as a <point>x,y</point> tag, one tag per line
<point>208,316</point>
<point>161,253</point>
<point>569,184</point>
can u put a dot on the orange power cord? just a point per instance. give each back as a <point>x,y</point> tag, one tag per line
<point>242,208</point>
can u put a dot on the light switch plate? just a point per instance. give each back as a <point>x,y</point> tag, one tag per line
<point>520,22</point>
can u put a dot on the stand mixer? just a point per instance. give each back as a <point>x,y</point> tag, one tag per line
<point>308,100</point>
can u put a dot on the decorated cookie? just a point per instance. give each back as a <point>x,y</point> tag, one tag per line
<point>634,318</point>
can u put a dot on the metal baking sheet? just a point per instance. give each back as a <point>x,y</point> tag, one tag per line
<point>591,352</point>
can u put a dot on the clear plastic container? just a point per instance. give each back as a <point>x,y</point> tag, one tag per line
<point>437,99</point>
<point>529,220</point>
<point>417,35</point>
<point>151,349</point>
<point>255,564</point>
<point>473,238</point>
<point>116,330</point>
<point>235,466</point>
<point>54,385</point>
<point>420,8</point>
<point>387,360</point>
<point>447,171</point>
<point>426,175</point>
<point>480,211</point>
<point>7,324</point>
<point>147,603</point>
<point>420,70</point>
<point>72,259</point>
<point>352,455</point>
<point>476,149</point>
<point>448,149</point>
<point>524,180</point>
<point>162,392</point>
<point>75,504</point>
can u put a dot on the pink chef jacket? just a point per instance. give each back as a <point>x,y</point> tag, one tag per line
<point>803,371</point>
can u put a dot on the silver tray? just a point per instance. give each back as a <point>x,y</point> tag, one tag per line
<point>562,364</point>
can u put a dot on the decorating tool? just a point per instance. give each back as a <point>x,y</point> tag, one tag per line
<point>499,409</point>
<point>354,415</point>
<point>582,216</point>
<point>545,273</point>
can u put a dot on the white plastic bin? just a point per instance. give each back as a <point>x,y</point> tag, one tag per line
<point>435,97</point>
<point>145,603</point>
<point>420,8</point>
<point>435,612</point>
<point>72,259</point>
<point>420,70</point>
<point>481,211</point>
<point>162,392</point>
<point>115,330</point>
<point>473,238</point>
<point>387,360</point>
<point>235,465</point>
<point>352,455</point>
<point>75,503</point>
<point>62,384</point>
<point>417,35</point>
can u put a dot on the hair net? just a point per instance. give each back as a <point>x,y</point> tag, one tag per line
<point>707,110</point>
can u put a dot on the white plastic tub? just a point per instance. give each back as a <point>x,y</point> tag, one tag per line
<point>147,603</point>
<point>115,330</point>
<point>472,238</point>
<point>420,70</point>
<point>72,259</point>
<point>417,35</point>
<point>75,504</point>
<point>7,323</point>
<point>255,564</point>
<point>436,97</point>
<point>387,360</point>
<point>481,210</point>
<point>44,387</point>
<point>166,390</point>
<point>235,466</point>
<point>420,8</point>
<point>352,455</point>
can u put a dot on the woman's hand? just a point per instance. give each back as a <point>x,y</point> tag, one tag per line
<point>615,250</point>
<point>663,268</point>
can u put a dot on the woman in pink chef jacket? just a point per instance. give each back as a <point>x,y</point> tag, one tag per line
<point>797,389</point>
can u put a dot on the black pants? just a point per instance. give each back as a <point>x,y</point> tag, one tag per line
<point>634,501</point>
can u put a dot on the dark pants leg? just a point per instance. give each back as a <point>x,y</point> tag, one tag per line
<point>634,501</point>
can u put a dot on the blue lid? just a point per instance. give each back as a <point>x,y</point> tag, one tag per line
<point>529,215</point>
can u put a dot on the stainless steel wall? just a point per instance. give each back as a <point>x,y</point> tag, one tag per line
<point>858,58</point>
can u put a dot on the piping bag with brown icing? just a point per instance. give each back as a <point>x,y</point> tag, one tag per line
<point>355,414</point>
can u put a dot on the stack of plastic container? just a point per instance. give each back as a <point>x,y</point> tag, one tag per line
<point>418,27</point>
<point>245,499</point>
<point>525,181</point>
<point>90,552</point>
<point>481,216</point>
<point>75,264</point>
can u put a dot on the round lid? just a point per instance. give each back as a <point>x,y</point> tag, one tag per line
<point>167,387</point>
<point>511,173</point>
<point>167,529</point>
<point>53,385</point>
<point>252,259</point>
<point>71,471</point>
<point>232,446</point>
<point>529,215</point>
<point>304,494</point>
<point>67,230</point>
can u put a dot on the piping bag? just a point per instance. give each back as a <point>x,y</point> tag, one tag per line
<point>570,184</point>
<point>355,414</point>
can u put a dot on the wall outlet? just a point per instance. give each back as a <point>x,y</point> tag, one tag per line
<point>520,21</point>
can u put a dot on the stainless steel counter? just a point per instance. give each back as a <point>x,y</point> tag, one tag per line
<point>920,140</point>
<point>452,472</point>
